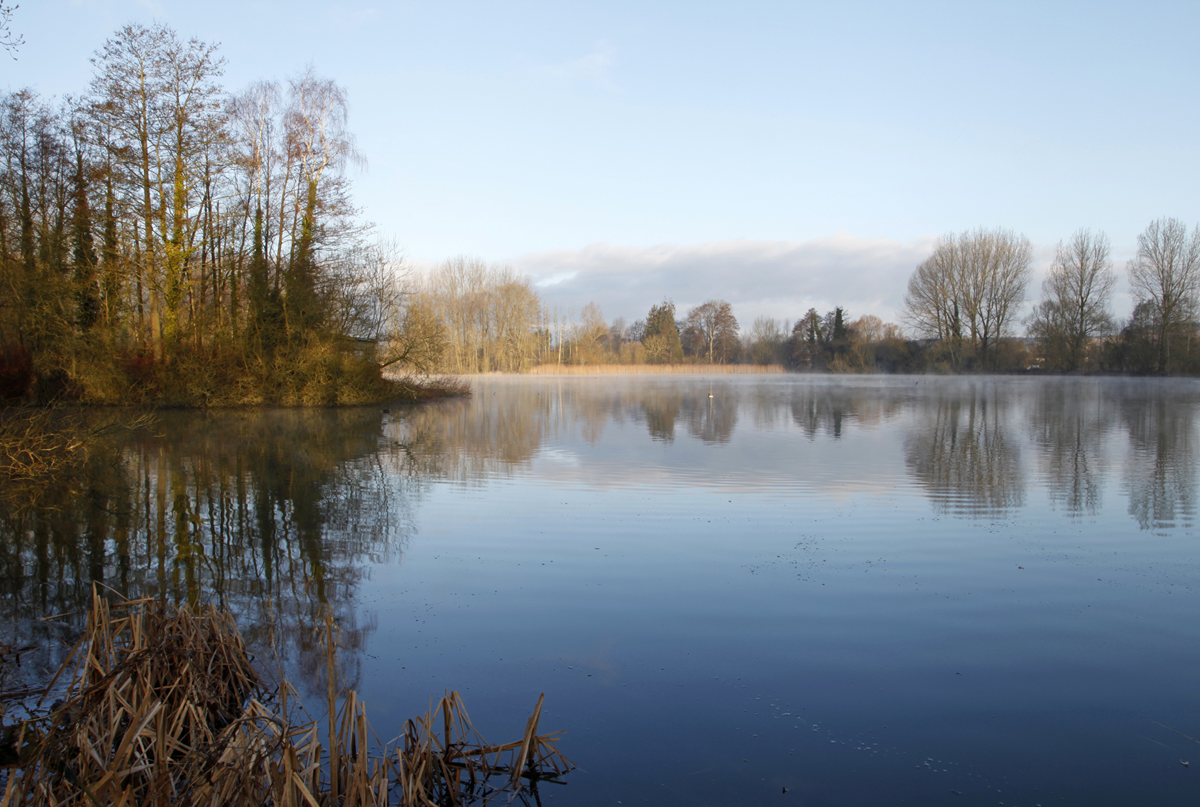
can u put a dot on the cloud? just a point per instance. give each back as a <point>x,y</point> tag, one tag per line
<point>353,19</point>
<point>782,279</point>
<point>593,68</point>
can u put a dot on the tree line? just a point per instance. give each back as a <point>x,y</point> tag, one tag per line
<point>164,239</point>
<point>468,316</point>
<point>964,299</point>
<point>961,314</point>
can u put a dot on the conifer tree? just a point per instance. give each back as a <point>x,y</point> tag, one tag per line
<point>84,254</point>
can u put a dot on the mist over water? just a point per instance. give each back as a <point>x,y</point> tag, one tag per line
<point>865,590</point>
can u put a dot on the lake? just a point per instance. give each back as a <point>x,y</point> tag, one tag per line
<point>863,590</point>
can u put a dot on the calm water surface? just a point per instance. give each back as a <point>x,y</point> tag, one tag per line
<point>865,590</point>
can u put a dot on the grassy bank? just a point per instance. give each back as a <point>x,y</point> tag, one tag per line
<point>55,441</point>
<point>316,372</point>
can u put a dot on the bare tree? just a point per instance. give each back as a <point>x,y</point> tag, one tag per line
<point>764,343</point>
<point>1075,298</point>
<point>1166,275</point>
<point>8,40</point>
<point>715,326</point>
<point>257,155</point>
<point>590,335</point>
<point>932,305</point>
<point>416,338</point>
<point>969,289</point>
<point>513,310</point>
<point>490,314</point>
<point>194,129</point>
<point>318,141</point>
<point>36,181</point>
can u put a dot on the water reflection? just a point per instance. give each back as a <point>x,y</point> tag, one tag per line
<point>961,440</point>
<point>711,419</point>
<point>830,409</point>
<point>1070,421</point>
<point>962,450</point>
<point>282,513</point>
<point>660,409</point>
<point>276,514</point>
<point>1160,472</point>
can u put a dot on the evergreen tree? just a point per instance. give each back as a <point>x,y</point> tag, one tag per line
<point>301,304</point>
<point>87,296</point>
<point>661,336</point>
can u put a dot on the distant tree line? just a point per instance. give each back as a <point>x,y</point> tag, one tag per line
<point>962,301</point>
<point>961,311</point>
<point>470,316</point>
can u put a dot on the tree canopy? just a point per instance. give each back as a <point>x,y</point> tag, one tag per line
<point>661,335</point>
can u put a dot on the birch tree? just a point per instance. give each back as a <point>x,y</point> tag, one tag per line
<point>319,144</point>
<point>128,87</point>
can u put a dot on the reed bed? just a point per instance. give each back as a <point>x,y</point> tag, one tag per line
<point>444,761</point>
<point>655,369</point>
<point>163,707</point>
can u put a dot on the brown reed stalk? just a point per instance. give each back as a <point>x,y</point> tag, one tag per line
<point>456,766</point>
<point>163,707</point>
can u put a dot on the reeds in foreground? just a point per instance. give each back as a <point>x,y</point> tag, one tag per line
<point>444,761</point>
<point>163,707</point>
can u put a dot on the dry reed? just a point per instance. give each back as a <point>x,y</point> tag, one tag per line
<point>655,369</point>
<point>38,442</point>
<point>34,443</point>
<point>444,761</point>
<point>423,388</point>
<point>163,707</point>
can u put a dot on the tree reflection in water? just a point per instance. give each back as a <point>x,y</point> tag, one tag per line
<point>276,514</point>
<point>1070,420</point>
<point>1160,472</point>
<point>831,408</point>
<point>961,450</point>
<point>660,408</point>
<point>281,513</point>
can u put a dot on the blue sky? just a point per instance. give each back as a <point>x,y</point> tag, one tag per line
<point>778,155</point>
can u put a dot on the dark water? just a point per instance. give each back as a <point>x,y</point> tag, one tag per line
<point>866,591</point>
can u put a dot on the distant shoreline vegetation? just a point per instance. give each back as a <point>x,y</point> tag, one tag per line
<point>167,242</point>
<point>960,316</point>
<point>654,369</point>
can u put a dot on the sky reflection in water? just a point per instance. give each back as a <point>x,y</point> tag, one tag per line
<point>865,590</point>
